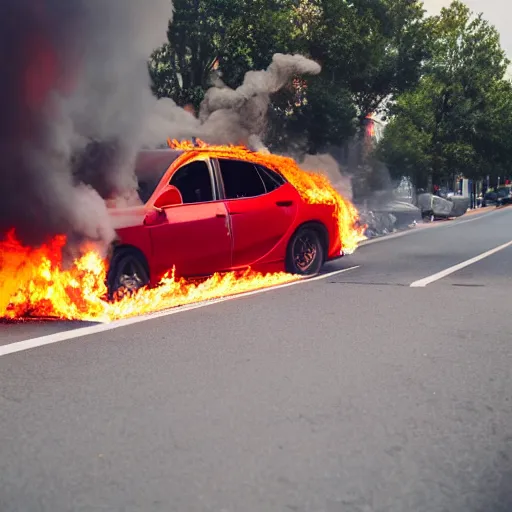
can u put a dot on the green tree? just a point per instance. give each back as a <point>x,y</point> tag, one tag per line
<point>324,117</point>
<point>373,48</point>
<point>369,50</point>
<point>491,135</point>
<point>448,114</point>
<point>235,34</point>
<point>406,146</point>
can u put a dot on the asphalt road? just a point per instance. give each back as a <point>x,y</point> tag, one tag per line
<point>353,393</point>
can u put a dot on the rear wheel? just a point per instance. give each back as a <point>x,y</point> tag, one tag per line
<point>127,273</point>
<point>306,254</point>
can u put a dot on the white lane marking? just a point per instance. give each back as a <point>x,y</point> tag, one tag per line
<point>439,275</point>
<point>20,346</point>
<point>438,224</point>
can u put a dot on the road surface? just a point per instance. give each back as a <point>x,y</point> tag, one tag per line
<point>351,393</point>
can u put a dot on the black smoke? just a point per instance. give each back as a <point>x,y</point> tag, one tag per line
<point>73,96</point>
<point>76,106</point>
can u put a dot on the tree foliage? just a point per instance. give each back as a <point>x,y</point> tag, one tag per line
<point>458,117</point>
<point>233,34</point>
<point>374,48</point>
<point>369,50</point>
<point>439,80</point>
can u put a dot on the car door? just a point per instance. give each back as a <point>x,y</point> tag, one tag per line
<point>261,206</point>
<point>195,236</point>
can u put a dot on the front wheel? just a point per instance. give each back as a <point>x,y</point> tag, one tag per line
<point>127,273</point>
<point>305,254</point>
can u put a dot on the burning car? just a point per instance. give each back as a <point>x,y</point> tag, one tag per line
<point>226,209</point>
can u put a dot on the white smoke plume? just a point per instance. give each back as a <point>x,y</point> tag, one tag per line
<point>77,105</point>
<point>230,116</point>
<point>327,165</point>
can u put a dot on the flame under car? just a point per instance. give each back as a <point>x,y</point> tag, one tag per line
<point>205,212</point>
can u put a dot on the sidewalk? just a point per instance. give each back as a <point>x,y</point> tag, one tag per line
<point>479,210</point>
<point>485,209</point>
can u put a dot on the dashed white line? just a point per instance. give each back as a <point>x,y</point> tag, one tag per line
<point>439,275</point>
<point>21,346</point>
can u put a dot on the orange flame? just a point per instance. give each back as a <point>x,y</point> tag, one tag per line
<point>34,282</point>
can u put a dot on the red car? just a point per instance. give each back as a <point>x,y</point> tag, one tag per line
<point>203,213</point>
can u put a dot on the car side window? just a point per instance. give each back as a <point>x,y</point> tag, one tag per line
<point>271,179</point>
<point>241,179</point>
<point>194,182</point>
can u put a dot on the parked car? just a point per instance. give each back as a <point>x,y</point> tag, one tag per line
<point>203,213</point>
<point>504,195</point>
<point>501,196</point>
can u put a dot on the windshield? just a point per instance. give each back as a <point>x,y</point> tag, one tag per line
<point>150,168</point>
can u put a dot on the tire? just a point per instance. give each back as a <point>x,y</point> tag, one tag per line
<point>305,254</point>
<point>127,273</point>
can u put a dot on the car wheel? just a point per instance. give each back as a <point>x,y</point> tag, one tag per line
<point>127,273</point>
<point>305,255</point>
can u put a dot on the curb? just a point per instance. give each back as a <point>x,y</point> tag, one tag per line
<point>476,211</point>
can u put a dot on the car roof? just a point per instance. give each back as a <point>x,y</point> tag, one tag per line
<point>151,161</point>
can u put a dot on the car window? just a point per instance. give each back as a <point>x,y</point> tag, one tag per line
<point>241,179</point>
<point>271,179</point>
<point>194,182</point>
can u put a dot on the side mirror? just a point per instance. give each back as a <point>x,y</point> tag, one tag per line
<point>170,196</point>
<point>154,217</point>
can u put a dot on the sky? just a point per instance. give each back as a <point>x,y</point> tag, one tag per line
<point>496,12</point>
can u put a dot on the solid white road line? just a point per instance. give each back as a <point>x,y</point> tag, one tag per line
<point>435,277</point>
<point>20,346</point>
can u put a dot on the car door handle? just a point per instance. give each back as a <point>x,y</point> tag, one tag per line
<point>220,215</point>
<point>284,203</point>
